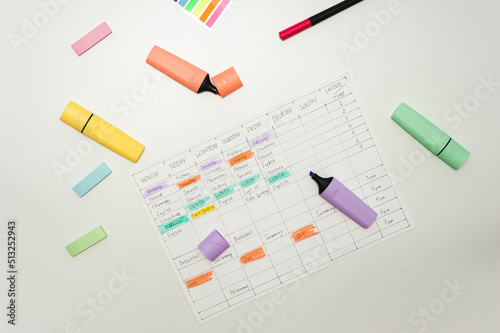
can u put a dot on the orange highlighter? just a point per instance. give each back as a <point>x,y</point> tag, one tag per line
<point>191,76</point>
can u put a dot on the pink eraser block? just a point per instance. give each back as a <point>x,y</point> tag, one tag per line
<point>92,38</point>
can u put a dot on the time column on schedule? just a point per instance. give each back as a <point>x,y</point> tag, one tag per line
<point>382,198</point>
<point>359,156</point>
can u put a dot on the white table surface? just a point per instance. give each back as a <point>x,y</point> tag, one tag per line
<point>437,56</point>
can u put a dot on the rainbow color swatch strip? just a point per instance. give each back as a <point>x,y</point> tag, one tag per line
<point>205,12</point>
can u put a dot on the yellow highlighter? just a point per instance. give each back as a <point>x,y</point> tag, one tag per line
<point>101,132</point>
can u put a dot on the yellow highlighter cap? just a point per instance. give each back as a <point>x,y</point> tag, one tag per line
<point>75,116</point>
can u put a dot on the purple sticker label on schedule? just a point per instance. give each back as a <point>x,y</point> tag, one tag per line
<point>211,163</point>
<point>262,138</point>
<point>155,188</point>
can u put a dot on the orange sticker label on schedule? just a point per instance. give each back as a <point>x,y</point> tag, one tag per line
<point>199,280</point>
<point>304,233</point>
<point>240,158</point>
<point>188,182</point>
<point>252,256</point>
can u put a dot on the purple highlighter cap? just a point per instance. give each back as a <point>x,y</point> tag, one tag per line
<point>213,245</point>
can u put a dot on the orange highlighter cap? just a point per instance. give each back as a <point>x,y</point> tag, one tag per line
<point>176,68</point>
<point>227,82</point>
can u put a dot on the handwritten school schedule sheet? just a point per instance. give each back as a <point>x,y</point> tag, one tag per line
<point>251,183</point>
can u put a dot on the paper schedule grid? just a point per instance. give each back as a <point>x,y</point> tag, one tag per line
<point>251,183</point>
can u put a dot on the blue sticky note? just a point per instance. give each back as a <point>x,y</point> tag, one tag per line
<point>93,178</point>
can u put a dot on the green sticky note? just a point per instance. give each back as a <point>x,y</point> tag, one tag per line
<point>86,241</point>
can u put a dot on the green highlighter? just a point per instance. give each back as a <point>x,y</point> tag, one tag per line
<point>425,132</point>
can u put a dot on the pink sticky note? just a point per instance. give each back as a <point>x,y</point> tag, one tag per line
<point>92,38</point>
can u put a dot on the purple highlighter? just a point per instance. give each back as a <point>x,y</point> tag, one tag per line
<point>344,200</point>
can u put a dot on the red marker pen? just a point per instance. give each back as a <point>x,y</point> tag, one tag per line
<point>315,19</point>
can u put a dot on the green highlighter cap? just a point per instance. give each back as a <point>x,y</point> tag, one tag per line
<point>425,132</point>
